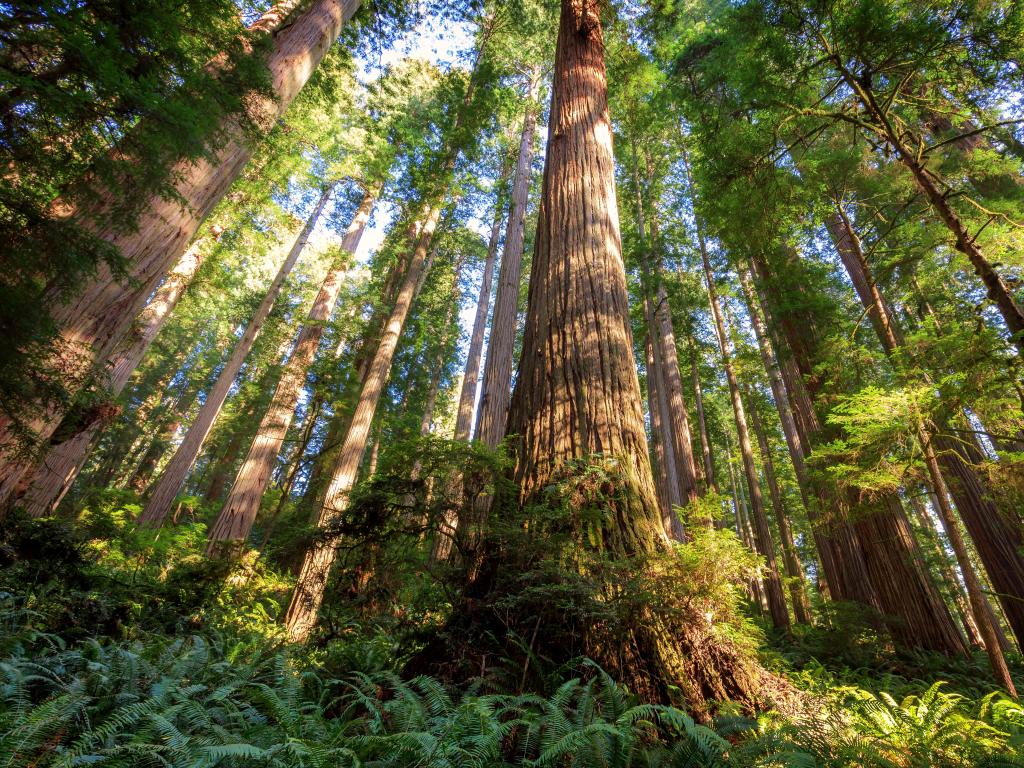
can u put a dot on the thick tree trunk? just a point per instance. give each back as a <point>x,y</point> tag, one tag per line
<point>848,245</point>
<point>763,537</point>
<point>577,395</point>
<point>312,580</point>
<point>176,471</point>
<point>96,319</point>
<point>239,512</point>
<point>467,397</point>
<point>871,556</point>
<point>58,470</point>
<point>794,570</point>
<point>494,393</point>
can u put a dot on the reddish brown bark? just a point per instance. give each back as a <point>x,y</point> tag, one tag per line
<point>467,398</point>
<point>238,514</point>
<point>762,531</point>
<point>97,318</point>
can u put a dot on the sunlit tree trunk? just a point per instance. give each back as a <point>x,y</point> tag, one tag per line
<point>467,397</point>
<point>848,245</point>
<point>173,477</point>
<point>312,580</point>
<point>96,319</point>
<point>872,557</point>
<point>243,503</point>
<point>495,390</point>
<point>62,463</point>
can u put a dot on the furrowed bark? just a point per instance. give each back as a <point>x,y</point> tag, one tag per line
<point>58,470</point>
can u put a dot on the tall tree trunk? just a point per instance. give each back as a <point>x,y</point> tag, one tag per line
<point>952,581</point>
<point>659,445</point>
<point>467,397</point>
<point>96,319</point>
<point>494,393</point>
<point>176,471</point>
<point>998,291</point>
<point>848,245</point>
<point>312,580</point>
<point>871,556</point>
<point>673,381</point>
<point>238,514</point>
<point>674,417</point>
<point>763,536</point>
<point>62,463</point>
<point>794,571</point>
<point>702,424</point>
<point>577,393</point>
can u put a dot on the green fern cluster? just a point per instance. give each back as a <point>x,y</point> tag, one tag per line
<point>220,701</point>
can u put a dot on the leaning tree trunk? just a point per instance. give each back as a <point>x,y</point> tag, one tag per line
<point>312,580</point>
<point>58,470</point>
<point>238,514</point>
<point>467,397</point>
<point>494,392</point>
<point>763,536</point>
<point>177,469</point>
<point>94,321</point>
<point>577,398</point>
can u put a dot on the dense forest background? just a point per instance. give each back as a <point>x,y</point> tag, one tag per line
<point>512,383</point>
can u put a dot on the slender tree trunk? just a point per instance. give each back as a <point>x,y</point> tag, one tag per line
<point>872,557</point>
<point>705,442</point>
<point>96,319</point>
<point>794,570</point>
<point>673,381</point>
<point>763,537</point>
<point>174,475</point>
<point>674,417</point>
<point>467,398</point>
<point>659,447</point>
<point>312,581</point>
<point>58,470</point>
<point>494,393</point>
<point>959,598</point>
<point>239,512</point>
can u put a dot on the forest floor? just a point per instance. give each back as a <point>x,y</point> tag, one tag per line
<point>119,648</point>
